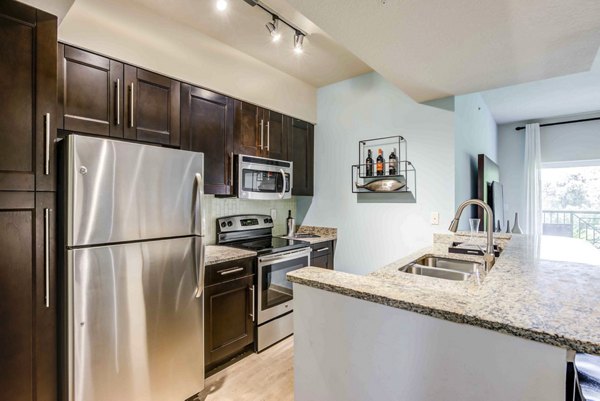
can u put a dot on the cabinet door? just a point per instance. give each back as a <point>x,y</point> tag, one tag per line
<point>321,261</point>
<point>276,135</point>
<point>229,326</point>
<point>207,126</point>
<point>152,105</point>
<point>28,307</point>
<point>249,132</point>
<point>91,92</point>
<point>28,98</point>
<point>301,152</point>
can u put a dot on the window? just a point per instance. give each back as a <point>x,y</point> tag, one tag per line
<point>571,201</point>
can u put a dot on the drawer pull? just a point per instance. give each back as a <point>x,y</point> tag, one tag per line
<point>231,271</point>
<point>322,249</point>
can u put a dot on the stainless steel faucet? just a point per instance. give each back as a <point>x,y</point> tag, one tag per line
<point>488,254</point>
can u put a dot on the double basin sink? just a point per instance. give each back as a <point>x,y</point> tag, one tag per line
<point>444,268</point>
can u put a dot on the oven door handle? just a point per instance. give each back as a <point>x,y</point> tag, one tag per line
<point>282,194</point>
<point>284,256</point>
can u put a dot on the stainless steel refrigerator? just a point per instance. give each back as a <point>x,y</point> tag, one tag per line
<point>135,271</point>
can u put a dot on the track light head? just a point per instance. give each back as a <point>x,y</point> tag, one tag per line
<point>221,5</point>
<point>298,42</point>
<point>273,28</point>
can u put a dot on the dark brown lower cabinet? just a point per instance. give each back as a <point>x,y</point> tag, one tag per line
<point>322,255</point>
<point>229,326</point>
<point>28,356</point>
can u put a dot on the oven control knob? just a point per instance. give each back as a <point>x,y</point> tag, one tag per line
<point>223,224</point>
<point>266,220</point>
<point>229,223</point>
<point>270,220</point>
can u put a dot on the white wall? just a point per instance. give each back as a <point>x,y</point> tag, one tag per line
<point>140,37</point>
<point>476,132</point>
<point>354,350</point>
<point>373,234</point>
<point>559,143</point>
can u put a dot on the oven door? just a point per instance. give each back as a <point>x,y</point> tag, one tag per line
<point>265,179</point>
<point>275,296</point>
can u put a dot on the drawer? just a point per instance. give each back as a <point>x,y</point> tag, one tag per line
<point>226,271</point>
<point>322,248</point>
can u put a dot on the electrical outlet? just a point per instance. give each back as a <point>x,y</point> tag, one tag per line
<point>435,218</point>
<point>273,214</point>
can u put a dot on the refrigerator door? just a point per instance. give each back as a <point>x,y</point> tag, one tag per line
<point>136,321</point>
<point>120,191</point>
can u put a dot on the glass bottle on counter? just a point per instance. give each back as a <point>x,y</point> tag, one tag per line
<point>369,164</point>
<point>380,162</point>
<point>393,163</point>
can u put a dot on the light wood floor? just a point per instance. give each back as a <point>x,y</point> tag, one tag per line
<point>268,376</point>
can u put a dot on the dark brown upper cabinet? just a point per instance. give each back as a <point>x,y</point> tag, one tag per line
<point>207,126</point>
<point>301,152</point>
<point>28,356</point>
<point>28,98</point>
<point>91,92</point>
<point>152,107</point>
<point>276,135</point>
<point>249,129</point>
<point>260,132</point>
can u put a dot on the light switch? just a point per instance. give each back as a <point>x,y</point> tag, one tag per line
<point>435,218</point>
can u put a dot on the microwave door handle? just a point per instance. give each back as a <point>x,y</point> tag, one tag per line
<point>199,209</point>
<point>282,194</point>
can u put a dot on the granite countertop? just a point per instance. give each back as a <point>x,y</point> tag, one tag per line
<point>214,254</point>
<point>324,234</point>
<point>537,290</point>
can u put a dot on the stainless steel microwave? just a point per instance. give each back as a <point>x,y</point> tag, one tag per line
<point>262,178</point>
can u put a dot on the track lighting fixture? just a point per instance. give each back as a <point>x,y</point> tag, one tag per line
<point>273,28</point>
<point>221,5</point>
<point>298,42</point>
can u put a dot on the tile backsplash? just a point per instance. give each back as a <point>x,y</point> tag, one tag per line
<point>219,207</point>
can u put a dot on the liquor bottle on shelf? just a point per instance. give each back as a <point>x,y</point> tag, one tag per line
<point>393,163</point>
<point>369,164</point>
<point>380,162</point>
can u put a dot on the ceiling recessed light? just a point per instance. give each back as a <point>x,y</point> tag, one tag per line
<point>273,28</point>
<point>221,5</point>
<point>298,42</point>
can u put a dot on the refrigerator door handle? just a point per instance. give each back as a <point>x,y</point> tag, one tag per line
<point>199,260</point>
<point>199,209</point>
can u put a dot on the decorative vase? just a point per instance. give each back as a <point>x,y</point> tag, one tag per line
<point>516,227</point>
<point>508,226</point>
<point>498,227</point>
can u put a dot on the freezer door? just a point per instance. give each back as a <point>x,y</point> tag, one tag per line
<point>136,321</point>
<point>120,191</point>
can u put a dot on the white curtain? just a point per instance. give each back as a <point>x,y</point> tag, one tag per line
<point>533,180</point>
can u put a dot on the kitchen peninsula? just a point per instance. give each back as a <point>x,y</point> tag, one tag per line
<point>502,336</point>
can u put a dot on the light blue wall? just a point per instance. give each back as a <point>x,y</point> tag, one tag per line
<point>475,132</point>
<point>371,235</point>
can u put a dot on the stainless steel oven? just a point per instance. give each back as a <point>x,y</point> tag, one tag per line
<point>275,296</point>
<point>263,178</point>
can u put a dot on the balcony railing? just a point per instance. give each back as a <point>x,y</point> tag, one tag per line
<point>574,224</point>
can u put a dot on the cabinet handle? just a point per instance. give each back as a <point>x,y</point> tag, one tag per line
<point>47,144</point>
<point>268,135</point>
<point>252,303</point>
<point>118,101</point>
<point>322,249</point>
<point>231,271</point>
<point>47,258</point>
<point>131,105</point>
<point>229,179</point>
<point>261,133</point>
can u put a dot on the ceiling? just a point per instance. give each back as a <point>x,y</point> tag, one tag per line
<point>562,96</point>
<point>243,27</point>
<point>437,48</point>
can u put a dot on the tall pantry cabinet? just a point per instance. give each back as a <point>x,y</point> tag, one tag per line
<point>28,71</point>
